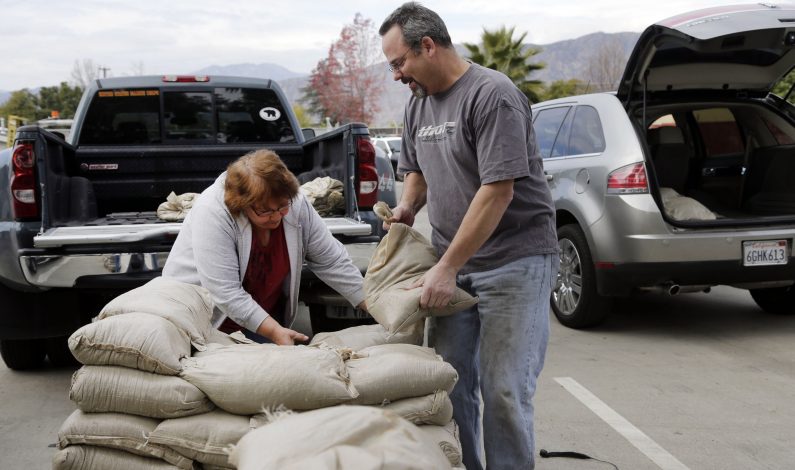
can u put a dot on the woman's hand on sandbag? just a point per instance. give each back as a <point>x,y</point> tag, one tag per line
<point>280,335</point>
<point>438,286</point>
<point>288,337</point>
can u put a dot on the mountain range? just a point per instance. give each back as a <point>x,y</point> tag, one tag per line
<point>563,60</point>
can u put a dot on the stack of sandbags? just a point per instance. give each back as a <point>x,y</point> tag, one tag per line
<point>340,437</point>
<point>129,382</point>
<point>155,370</point>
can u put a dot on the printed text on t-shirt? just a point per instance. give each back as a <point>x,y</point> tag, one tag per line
<point>434,133</point>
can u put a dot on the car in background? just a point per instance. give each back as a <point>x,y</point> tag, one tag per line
<point>683,178</point>
<point>391,147</point>
<point>62,127</point>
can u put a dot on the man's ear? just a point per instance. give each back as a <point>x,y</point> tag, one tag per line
<point>428,46</point>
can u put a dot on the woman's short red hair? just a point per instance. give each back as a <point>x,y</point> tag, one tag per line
<point>257,177</point>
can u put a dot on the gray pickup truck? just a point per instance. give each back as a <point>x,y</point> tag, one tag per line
<point>78,222</point>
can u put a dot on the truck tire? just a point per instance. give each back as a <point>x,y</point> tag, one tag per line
<point>23,354</point>
<point>574,300</point>
<point>778,300</point>
<point>59,354</point>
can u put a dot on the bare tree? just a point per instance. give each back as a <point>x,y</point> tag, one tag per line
<point>84,73</point>
<point>606,66</point>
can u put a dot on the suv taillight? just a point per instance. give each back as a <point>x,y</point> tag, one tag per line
<point>367,190</point>
<point>630,179</point>
<point>23,184</point>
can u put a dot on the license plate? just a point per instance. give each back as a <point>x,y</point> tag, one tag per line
<point>765,253</point>
<point>345,313</point>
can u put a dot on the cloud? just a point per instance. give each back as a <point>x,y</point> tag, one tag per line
<point>43,39</point>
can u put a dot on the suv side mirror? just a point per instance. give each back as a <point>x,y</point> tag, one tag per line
<point>308,132</point>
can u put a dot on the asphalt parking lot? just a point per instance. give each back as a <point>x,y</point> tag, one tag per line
<point>696,381</point>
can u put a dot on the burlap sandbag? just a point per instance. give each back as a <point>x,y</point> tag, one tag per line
<point>338,437</point>
<point>364,336</point>
<point>137,340</point>
<point>435,408</point>
<point>392,372</point>
<point>117,431</point>
<point>326,195</point>
<point>403,256</point>
<point>188,306</point>
<point>204,437</point>
<point>94,458</point>
<point>247,378</point>
<point>224,339</point>
<point>176,207</point>
<point>448,439</point>
<point>111,389</point>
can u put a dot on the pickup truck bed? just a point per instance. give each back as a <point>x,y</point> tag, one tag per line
<point>80,226</point>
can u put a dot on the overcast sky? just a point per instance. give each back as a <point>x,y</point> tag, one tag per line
<point>42,39</point>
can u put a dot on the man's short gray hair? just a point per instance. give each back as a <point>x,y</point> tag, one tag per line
<point>416,22</point>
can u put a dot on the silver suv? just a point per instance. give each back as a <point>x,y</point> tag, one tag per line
<point>683,179</point>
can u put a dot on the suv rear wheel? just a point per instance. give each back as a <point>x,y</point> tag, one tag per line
<point>778,300</point>
<point>574,298</point>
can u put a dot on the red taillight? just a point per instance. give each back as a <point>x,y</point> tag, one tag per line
<point>23,184</point>
<point>630,179</point>
<point>185,78</point>
<point>367,190</point>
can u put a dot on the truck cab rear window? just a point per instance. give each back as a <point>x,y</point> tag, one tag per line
<point>119,118</point>
<point>251,115</point>
<point>219,115</point>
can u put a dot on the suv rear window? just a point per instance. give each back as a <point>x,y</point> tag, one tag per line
<point>220,115</point>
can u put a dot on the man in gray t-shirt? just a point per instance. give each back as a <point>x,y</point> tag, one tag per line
<point>469,153</point>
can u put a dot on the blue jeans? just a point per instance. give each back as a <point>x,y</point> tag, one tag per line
<point>498,348</point>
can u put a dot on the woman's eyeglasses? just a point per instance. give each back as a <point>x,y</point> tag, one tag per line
<point>271,212</point>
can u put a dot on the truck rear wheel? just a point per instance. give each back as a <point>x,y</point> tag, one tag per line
<point>23,354</point>
<point>58,352</point>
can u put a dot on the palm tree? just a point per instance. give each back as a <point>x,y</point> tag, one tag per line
<point>499,51</point>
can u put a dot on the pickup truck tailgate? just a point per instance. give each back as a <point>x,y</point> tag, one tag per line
<point>131,233</point>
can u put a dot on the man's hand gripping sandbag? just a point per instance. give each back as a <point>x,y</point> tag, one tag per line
<point>403,257</point>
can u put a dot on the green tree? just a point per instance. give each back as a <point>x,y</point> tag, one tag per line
<point>303,116</point>
<point>63,98</point>
<point>783,86</point>
<point>500,51</point>
<point>21,103</point>
<point>562,88</point>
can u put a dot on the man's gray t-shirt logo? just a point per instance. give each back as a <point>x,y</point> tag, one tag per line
<point>434,133</point>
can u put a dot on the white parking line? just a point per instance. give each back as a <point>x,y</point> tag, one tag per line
<point>635,436</point>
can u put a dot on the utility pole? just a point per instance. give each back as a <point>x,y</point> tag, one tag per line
<point>104,71</point>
